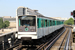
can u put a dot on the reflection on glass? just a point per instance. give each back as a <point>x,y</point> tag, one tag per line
<point>27,20</point>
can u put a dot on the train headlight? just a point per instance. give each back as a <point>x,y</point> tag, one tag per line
<point>31,27</point>
<point>32,30</point>
<point>16,35</point>
<point>20,30</point>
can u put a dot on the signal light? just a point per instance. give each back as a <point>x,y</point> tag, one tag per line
<point>72,13</point>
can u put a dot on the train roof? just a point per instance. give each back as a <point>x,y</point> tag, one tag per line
<point>43,17</point>
<point>32,13</point>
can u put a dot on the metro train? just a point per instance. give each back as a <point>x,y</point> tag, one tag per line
<point>35,27</point>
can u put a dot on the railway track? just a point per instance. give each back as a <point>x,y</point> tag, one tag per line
<point>37,47</point>
<point>59,42</point>
<point>64,42</point>
<point>51,41</point>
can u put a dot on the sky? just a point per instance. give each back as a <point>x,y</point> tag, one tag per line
<point>49,8</point>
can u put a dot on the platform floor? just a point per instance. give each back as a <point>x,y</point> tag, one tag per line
<point>7,30</point>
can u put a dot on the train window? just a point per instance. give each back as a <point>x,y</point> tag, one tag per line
<point>38,23</point>
<point>50,23</point>
<point>62,22</point>
<point>42,23</point>
<point>28,21</point>
<point>53,23</point>
<point>45,23</point>
<point>57,22</point>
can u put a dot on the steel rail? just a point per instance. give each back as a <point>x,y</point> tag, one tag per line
<point>63,41</point>
<point>51,44</point>
<point>44,45</point>
<point>68,40</point>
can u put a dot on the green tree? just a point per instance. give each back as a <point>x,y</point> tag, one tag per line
<point>69,21</point>
<point>1,22</point>
<point>6,23</point>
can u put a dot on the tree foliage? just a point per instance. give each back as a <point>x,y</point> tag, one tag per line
<point>4,24</point>
<point>69,21</point>
<point>1,21</point>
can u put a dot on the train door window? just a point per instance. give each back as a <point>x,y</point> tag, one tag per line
<point>42,23</point>
<point>45,23</point>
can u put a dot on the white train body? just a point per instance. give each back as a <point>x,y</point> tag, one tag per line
<point>43,26</point>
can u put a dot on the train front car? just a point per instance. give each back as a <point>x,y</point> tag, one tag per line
<point>27,27</point>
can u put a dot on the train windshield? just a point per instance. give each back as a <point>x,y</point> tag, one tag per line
<point>27,20</point>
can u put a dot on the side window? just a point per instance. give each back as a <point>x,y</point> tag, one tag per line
<point>50,23</point>
<point>53,22</point>
<point>57,22</point>
<point>45,23</point>
<point>42,23</point>
<point>62,22</point>
<point>38,23</point>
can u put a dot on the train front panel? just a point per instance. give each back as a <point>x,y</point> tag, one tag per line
<point>27,26</point>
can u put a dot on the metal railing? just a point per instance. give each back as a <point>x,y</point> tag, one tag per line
<point>7,40</point>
